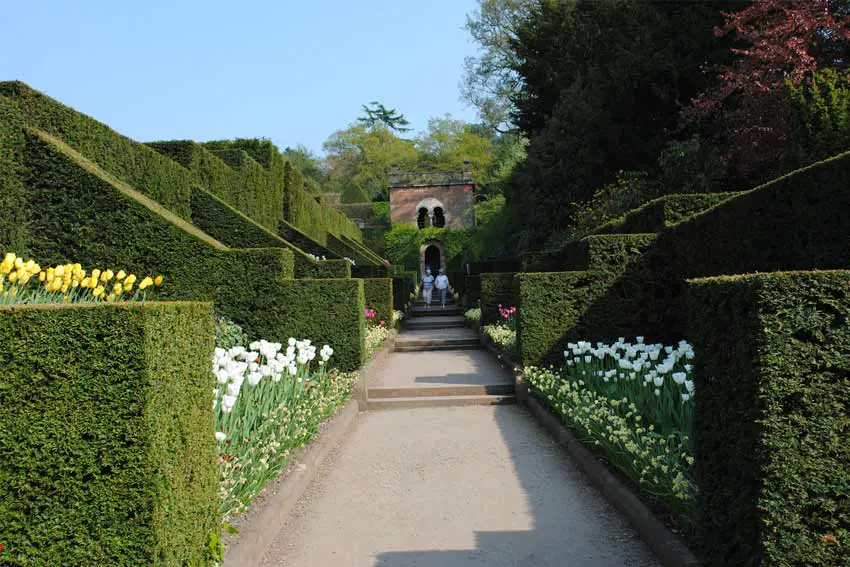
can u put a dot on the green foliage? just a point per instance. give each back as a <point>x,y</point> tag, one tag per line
<point>153,174</point>
<point>473,318</point>
<point>820,117</point>
<point>663,212</point>
<point>404,285</point>
<point>107,435</point>
<point>495,290</point>
<point>379,296</point>
<point>382,212</point>
<point>449,143</point>
<point>354,193</point>
<point>690,166</point>
<point>503,337</point>
<point>403,243</point>
<point>13,222</point>
<point>253,287</point>
<point>380,114</point>
<point>772,418</point>
<point>604,252</point>
<point>326,312</point>
<point>228,334</point>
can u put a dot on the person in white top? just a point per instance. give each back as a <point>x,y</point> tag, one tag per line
<point>442,284</point>
<point>427,287</point>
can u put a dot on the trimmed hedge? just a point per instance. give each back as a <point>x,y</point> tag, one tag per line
<point>379,296</point>
<point>658,214</point>
<point>153,174</point>
<point>326,312</point>
<point>13,223</point>
<point>473,291</point>
<point>772,418</point>
<point>603,252</point>
<point>496,289</point>
<point>404,286</point>
<point>242,182</point>
<point>106,436</point>
<point>553,308</point>
<point>232,228</point>
<point>253,287</point>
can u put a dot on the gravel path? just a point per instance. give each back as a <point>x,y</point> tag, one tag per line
<point>451,487</point>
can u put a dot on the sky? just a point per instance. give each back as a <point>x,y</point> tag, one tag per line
<point>294,72</point>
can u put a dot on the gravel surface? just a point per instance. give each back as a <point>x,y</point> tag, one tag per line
<point>453,487</point>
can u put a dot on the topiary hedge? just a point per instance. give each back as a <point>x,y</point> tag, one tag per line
<point>379,296</point>
<point>251,286</point>
<point>13,223</point>
<point>326,312</point>
<point>596,252</point>
<point>107,435</point>
<point>232,228</point>
<point>241,182</point>
<point>404,286</point>
<point>496,289</point>
<point>153,174</point>
<point>663,212</point>
<point>772,418</point>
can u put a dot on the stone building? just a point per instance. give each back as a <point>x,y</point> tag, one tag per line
<point>439,200</point>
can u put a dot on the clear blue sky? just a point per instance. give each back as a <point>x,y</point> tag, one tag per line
<point>291,71</point>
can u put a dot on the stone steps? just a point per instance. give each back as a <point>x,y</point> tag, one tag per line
<point>453,390</point>
<point>438,401</point>
<point>435,322</point>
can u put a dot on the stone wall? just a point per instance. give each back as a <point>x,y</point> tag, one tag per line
<point>457,200</point>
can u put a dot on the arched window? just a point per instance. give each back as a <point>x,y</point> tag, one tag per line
<point>423,220</point>
<point>439,217</point>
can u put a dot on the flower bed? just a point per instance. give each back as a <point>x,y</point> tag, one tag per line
<point>633,403</point>
<point>268,401</point>
<point>503,337</point>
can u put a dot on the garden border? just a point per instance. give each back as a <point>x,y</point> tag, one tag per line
<point>279,498</point>
<point>667,547</point>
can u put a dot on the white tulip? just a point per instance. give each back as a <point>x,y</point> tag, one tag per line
<point>679,377</point>
<point>220,436</point>
<point>227,403</point>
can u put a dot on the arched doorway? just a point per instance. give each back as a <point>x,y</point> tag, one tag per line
<point>432,255</point>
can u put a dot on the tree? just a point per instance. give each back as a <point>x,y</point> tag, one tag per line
<point>307,163</point>
<point>381,115</point>
<point>820,118</point>
<point>777,42</point>
<point>448,143</point>
<point>490,80</point>
<point>364,156</point>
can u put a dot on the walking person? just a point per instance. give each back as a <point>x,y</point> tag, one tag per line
<point>427,287</point>
<point>442,283</point>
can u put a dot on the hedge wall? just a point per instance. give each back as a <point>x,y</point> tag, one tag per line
<point>496,289</point>
<point>243,183</point>
<point>155,175</point>
<point>596,252</point>
<point>368,254</point>
<point>13,223</point>
<point>107,435</point>
<point>379,296</point>
<point>772,418</point>
<point>663,212</point>
<point>404,286</point>
<point>224,223</point>
<point>326,312</point>
<point>251,286</point>
<point>553,309</point>
<point>473,291</point>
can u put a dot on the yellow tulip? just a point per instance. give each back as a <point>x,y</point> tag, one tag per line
<point>117,289</point>
<point>121,275</point>
<point>95,275</point>
<point>131,279</point>
<point>65,287</point>
<point>158,281</point>
<point>106,276</point>
<point>24,277</point>
<point>75,284</point>
<point>98,291</point>
<point>19,263</point>
<point>147,282</point>
<point>128,285</point>
<point>51,273</point>
<point>13,277</point>
<point>59,271</point>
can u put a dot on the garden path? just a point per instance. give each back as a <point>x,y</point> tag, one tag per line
<point>448,486</point>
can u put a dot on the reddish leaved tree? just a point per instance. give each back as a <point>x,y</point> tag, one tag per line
<point>775,41</point>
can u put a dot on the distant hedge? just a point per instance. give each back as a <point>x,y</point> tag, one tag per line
<point>772,417</point>
<point>379,296</point>
<point>106,435</point>
<point>404,286</point>
<point>232,228</point>
<point>496,289</point>
<point>658,214</point>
